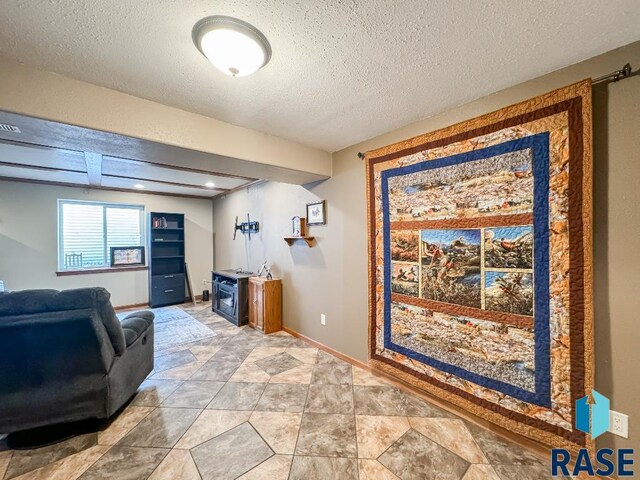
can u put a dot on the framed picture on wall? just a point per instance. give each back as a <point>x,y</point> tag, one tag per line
<point>127,256</point>
<point>316,214</point>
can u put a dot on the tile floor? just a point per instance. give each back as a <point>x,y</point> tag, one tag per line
<point>246,406</point>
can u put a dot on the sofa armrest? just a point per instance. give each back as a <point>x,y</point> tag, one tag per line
<point>135,325</point>
<point>146,314</point>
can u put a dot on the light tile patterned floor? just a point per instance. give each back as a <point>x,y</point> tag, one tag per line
<point>242,405</point>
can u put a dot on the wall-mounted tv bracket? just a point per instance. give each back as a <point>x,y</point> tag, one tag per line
<point>247,227</point>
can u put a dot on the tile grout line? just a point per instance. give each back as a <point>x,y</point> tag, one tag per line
<point>306,399</point>
<point>159,463</point>
<point>201,413</point>
<point>4,474</point>
<point>253,427</point>
<point>95,461</point>
<point>266,443</point>
<point>195,463</point>
<point>475,442</point>
<point>355,423</point>
<point>444,446</point>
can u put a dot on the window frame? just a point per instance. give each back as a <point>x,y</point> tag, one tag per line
<point>61,270</point>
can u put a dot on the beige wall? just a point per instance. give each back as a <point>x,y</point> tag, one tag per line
<point>29,239</point>
<point>55,97</point>
<point>331,277</point>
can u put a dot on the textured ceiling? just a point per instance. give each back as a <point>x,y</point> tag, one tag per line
<point>342,70</point>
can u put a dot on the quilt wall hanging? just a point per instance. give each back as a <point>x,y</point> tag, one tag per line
<point>480,264</point>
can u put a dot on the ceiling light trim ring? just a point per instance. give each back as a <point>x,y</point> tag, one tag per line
<point>207,24</point>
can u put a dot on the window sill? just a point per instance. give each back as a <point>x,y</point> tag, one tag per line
<point>88,271</point>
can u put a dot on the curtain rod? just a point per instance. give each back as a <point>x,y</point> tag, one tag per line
<point>624,72</point>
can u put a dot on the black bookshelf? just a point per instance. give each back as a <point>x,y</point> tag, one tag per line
<point>166,259</point>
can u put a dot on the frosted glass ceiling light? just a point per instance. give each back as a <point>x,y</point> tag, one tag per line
<point>233,46</point>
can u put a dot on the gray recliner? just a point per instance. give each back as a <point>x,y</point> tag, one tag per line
<point>65,356</point>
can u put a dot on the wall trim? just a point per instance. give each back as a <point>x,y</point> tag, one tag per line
<point>129,307</point>
<point>146,305</point>
<point>88,271</point>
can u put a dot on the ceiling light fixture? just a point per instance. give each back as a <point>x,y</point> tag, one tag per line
<point>209,184</point>
<point>138,185</point>
<point>233,46</point>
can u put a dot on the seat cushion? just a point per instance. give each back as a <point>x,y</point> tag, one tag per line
<point>135,325</point>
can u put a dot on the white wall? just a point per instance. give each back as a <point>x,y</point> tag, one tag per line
<point>29,239</point>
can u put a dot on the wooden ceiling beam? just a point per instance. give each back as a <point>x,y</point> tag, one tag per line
<point>93,161</point>
<point>165,182</point>
<point>101,187</point>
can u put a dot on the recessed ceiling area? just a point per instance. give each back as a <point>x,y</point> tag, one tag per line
<point>89,169</point>
<point>52,152</point>
<point>341,71</point>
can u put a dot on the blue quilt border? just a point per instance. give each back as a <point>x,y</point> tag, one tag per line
<point>539,144</point>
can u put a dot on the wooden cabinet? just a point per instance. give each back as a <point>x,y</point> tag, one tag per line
<point>265,304</point>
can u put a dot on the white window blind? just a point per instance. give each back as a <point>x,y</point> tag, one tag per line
<point>88,230</point>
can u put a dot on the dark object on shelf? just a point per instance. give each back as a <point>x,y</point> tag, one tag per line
<point>265,304</point>
<point>205,295</point>
<point>316,214</point>
<point>159,222</point>
<point>121,256</point>
<point>66,357</point>
<point>166,260</point>
<point>247,227</point>
<point>231,295</point>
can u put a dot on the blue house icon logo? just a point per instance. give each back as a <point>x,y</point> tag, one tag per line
<point>592,414</point>
<point>592,417</point>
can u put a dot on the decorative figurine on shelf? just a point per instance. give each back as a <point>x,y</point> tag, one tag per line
<point>266,269</point>
<point>262,268</point>
<point>295,231</point>
<point>159,222</point>
<point>298,224</point>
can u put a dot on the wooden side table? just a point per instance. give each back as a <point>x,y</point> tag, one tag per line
<point>265,304</point>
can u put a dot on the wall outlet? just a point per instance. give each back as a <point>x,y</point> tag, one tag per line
<point>619,424</point>
<point>323,319</point>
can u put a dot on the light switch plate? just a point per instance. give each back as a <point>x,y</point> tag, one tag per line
<point>323,319</point>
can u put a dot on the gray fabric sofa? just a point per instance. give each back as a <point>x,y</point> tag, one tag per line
<point>65,356</point>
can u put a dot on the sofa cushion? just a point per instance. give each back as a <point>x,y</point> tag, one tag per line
<point>146,314</point>
<point>28,302</point>
<point>135,325</point>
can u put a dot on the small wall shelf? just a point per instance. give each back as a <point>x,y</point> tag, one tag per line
<point>291,240</point>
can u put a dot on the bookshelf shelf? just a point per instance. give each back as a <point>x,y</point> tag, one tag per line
<point>166,259</point>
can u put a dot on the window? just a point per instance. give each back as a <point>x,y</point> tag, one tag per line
<point>87,231</point>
